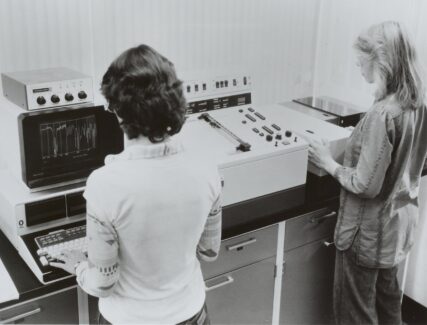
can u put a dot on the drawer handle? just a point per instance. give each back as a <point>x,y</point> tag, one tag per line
<point>241,245</point>
<point>21,316</point>
<point>228,280</point>
<point>328,243</point>
<point>322,218</point>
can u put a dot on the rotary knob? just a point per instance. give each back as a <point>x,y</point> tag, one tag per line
<point>41,100</point>
<point>55,99</point>
<point>269,137</point>
<point>288,133</point>
<point>69,97</point>
<point>82,94</point>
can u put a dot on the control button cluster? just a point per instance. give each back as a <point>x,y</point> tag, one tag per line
<point>68,97</point>
<point>273,131</point>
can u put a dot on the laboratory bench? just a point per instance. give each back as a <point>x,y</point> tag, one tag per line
<point>273,249</point>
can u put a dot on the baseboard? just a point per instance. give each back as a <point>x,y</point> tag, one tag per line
<point>413,312</point>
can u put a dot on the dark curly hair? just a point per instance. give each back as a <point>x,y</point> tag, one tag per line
<point>142,88</point>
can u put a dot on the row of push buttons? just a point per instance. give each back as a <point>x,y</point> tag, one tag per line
<point>196,88</point>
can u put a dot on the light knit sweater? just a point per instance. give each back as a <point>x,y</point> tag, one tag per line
<point>150,209</point>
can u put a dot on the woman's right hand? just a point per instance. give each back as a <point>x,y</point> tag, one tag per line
<point>320,155</point>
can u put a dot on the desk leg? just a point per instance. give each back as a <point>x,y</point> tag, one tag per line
<point>83,304</point>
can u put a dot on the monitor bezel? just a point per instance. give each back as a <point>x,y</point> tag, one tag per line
<point>65,178</point>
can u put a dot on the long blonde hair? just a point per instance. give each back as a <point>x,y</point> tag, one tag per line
<point>395,63</point>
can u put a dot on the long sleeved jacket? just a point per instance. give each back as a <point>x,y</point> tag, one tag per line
<point>380,182</point>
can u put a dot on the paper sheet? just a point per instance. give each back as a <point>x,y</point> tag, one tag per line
<point>7,287</point>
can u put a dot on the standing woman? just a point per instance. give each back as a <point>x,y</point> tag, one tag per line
<point>150,209</point>
<point>380,179</point>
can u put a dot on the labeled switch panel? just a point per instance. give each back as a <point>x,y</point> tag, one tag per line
<point>205,87</point>
<point>212,93</point>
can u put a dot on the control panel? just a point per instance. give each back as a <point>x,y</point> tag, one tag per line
<point>310,128</point>
<point>212,93</point>
<point>46,88</point>
<point>41,224</point>
<point>256,153</point>
<point>212,86</point>
<point>64,208</point>
<point>250,129</point>
<point>276,134</point>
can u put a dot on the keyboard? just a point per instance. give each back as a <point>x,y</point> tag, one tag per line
<point>52,244</point>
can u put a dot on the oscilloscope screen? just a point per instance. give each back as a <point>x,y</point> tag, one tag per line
<point>68,137</point>
<point>62,145</point>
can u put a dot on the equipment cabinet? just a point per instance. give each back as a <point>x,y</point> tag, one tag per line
<point>308,268</point>
<point>242,296</point>
<point>54,308</point>
<point>240,284</point>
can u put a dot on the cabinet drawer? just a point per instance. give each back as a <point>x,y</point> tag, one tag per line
<point>243,296</point>
<point>309,227</point>
<point>56,308</point>
<point>243,250</point>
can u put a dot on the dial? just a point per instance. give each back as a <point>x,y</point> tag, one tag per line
<point>55,99</point>
<point>41,100</point>
<point>82,94</point>
<point>69,97</point>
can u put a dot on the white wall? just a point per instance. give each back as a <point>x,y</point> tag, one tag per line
<point>272,39</point>
<point>340,23</point>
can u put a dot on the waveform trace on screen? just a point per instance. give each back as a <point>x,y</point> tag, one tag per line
<point>63,138</point>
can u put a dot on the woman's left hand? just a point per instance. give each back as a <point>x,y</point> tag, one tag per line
<point>320,155</point>
<point>69,258</point>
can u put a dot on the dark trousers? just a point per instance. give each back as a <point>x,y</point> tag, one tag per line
<point>365,295</point>
<point>201,318</point>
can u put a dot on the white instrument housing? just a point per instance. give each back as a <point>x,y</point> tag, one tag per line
<point>312,128</point>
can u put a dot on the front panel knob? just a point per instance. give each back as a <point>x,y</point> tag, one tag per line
<point>288,133</point>
<point>41,100</point>
<point>69,97</point>
<point>82,94</point>
<point>55,99</point>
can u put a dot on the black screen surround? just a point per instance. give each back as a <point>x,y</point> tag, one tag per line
<point>64,145</point>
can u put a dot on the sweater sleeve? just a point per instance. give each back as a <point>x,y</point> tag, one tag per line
<point>367,177</point>
<point>210,241</point>
<point>98,275</point>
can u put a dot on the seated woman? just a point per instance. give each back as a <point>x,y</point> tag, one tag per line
<point>150,209</point>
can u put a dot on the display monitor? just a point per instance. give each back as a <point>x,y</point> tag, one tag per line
<point>61,146</point>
